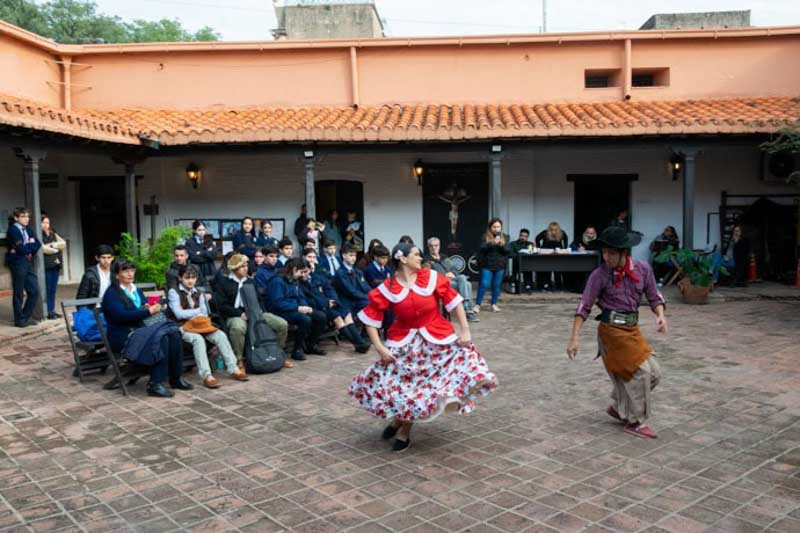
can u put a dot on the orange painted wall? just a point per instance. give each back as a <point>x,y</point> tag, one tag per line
<point>203,80</point>
<point>24,72</point>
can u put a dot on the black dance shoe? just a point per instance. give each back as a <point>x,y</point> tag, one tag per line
<point>159,390</point>
<point>181,384</point>
<point>298,355</point>
<point>315,349</point>
<point>390,431</point>
<point>400,445</point>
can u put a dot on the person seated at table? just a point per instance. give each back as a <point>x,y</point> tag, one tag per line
<point>668,237</point>
<point>552,238</point>
<point>330,262</point>
<point>188,307</point>
<point>734,258</point>
<point>576,281</point>
<point>377,270</point>
<point>350,284</point>
<point>125,307</point>
<point>522,243</point>
<point>180,254</point>
<point>439,262</point>
<point>286,299</point>
<point>202,251</point>
<point>321,295</point>
<point>244,242</point>
<point>286,250</point>
<point>265,238</point>
<point>97,279</point>
<point>229,304</point>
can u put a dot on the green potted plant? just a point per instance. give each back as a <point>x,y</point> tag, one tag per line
<point>696,283</point>
<point>152,260</point>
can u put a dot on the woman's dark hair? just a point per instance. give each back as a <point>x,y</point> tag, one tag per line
<point>489,235</point>
<point>673,231</point>
<point>196,224</point>
<point>291,266</point>
<point>373,243</point>
<point>380,251</point>
<point>252,230</point>
<point>265,222</point>
<point>406,239</point>
<point>120,265</point>
<point>399,247</point>
<point>331,212</point>
<point>188,270</point>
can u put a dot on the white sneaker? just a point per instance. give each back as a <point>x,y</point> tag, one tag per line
<point>495,309</point>
<point>476,309</point>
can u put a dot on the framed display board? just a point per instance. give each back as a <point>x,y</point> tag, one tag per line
<point>223,229</point>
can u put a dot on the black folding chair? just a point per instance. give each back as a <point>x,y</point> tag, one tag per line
<point>89,356</point>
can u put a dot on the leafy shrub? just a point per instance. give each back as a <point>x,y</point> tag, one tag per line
<point>696,266</point>
<point>152,261</point>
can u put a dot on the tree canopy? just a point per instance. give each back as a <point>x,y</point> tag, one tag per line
<point>78,22</point>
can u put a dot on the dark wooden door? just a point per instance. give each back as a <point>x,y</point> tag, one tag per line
<point>102,202</point>
<point>459,227</point>
<point>598,199</point>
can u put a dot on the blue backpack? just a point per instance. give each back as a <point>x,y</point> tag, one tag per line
<point>85,325</point>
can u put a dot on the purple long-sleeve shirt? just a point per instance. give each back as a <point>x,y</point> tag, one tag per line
<point>600,289</point>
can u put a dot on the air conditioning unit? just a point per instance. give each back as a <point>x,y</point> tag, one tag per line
<point>776,168</point>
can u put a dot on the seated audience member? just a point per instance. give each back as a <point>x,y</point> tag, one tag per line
<point>621,219</point>
<point>286,250</point>
<point>553,237</point>
<point>97,279</point>
<point>229,304</point>
<point>350,284</point>
<point>222,272</point>
<point>268,268</point>
<point>667,238</point>
<point>405,239</point>
<point>368,257</point>
<point>441,264</point>
<point>202,251</point>
<point>329,262</point>
<point>377,270</point>
<point>321,295</point>
<point>180,255</point>
<point>734,258</point>
<point>265,238</point>
<point>522,243</point>
<point>258,258</point>
<point>587,243</point>
<point>244,242</point>
<point>306,243</point>
<point>125,307</point>
<point>287,300</point>
<point>188,307</point>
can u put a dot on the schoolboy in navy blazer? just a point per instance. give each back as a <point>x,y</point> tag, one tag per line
<point>22,248</point>
<point>350,284</point>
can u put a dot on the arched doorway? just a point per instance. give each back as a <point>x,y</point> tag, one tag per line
<point>342,195</point>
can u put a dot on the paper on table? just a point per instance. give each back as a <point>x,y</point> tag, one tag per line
<point>227,246</point>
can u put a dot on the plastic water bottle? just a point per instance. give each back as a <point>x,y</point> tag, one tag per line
<point>220,364</point>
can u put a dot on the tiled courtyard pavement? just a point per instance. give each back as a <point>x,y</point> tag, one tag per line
<point>291,452</point>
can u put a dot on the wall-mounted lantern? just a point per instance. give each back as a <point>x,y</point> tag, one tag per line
<point>676,165</point>
<point>193,173</point>
<point>419,171</point>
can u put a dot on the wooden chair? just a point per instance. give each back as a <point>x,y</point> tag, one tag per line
<point>89,356</point>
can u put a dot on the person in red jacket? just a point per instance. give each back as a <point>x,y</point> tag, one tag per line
<point>425,367</point>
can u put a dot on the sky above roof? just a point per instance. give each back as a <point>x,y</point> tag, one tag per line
<point>238,20</point>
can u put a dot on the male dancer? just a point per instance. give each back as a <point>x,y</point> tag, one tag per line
<point>617,286</point>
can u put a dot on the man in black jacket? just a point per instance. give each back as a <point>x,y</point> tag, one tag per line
<point>230,307</point>
<point>97,279</point>
<point>181,256</point>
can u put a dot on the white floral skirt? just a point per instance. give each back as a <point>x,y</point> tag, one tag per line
<point>425,379</point>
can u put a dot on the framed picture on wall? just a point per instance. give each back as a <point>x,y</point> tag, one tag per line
<point>212,227</point>
<point>228,228</point>
<point>278,227</point>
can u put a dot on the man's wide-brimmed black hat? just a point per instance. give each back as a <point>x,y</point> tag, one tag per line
<point>620,238</point>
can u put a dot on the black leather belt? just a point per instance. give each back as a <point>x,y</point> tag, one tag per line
<point>619,318</point>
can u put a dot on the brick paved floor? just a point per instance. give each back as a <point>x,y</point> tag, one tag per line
<point>291,452</point>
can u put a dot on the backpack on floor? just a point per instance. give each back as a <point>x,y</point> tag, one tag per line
<point>262,355</point>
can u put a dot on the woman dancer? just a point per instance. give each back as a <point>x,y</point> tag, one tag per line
<point>425,367</point>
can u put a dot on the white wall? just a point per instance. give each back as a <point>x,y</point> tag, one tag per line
<point>535,189</point>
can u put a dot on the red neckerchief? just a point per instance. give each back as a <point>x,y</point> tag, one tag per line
<point>620,273</point>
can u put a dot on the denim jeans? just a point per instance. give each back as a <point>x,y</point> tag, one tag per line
<point>171,366</point>
<point>463,287</point>
<point>218,339</point>
<point>51,285</point>
<point>493,279</point>
<point>718,261</point>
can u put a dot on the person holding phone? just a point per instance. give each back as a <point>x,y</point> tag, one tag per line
<point>492,258</point>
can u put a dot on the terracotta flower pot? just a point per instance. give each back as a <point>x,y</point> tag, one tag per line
<point>693,294</point>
